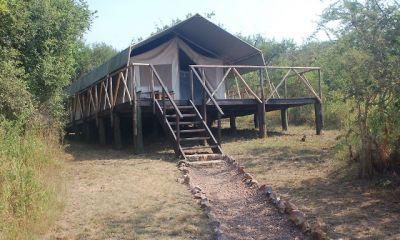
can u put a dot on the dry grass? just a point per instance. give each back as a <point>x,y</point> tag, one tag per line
<point>31,161</point>
<point>310,174</point>
<point>118,195</point>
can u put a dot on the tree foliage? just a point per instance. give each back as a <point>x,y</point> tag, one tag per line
<point>15,99</point>
<point>44,36</point>
<point>38,42</point>
<point>88,57</point>
<point>365,63</point>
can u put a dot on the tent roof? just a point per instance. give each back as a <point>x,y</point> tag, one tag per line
<point>199,33</point>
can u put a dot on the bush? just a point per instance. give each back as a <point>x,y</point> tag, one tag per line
<point>14,96</point>
<point>30,165</point>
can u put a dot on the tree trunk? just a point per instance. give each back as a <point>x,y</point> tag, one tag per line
<point>366,167</point>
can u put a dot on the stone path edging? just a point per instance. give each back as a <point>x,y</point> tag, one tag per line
<point>315,231</point>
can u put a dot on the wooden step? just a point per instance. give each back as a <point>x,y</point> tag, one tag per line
<point>195,139</point>
<point>206,163</point>
<point>184,115</point>
<point>199,147</point>
<point>185,107</point>
<point>185,123</point>
<point>196,130</point>
<point>205,157</point>
<point>179,107</point>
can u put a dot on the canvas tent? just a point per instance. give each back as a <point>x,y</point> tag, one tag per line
<point>165,59</point>
<point>193,41</point>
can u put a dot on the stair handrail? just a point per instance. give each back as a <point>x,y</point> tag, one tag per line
<point>206,89</point>
<point>167,123</point>
<point>164,88</point>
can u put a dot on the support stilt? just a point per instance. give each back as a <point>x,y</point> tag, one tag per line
<point>138,134</point>
<point>232,124</point>
<point>117,131</point>
<point>318,118</point>
<point>219,127</point>
<point>255,119</point>
<point>284,119</point>
<point>86,132</point>
<point>102,132</point>
<point>261,123</point>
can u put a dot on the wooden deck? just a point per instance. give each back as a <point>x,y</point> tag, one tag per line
<point>113,107</point>
<point>230,107</point>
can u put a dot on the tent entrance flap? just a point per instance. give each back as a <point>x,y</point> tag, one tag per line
<point>184,79</point>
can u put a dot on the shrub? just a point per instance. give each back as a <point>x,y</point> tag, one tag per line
<point>30,163</point>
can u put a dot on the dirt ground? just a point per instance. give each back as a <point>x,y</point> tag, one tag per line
<point>117,195</point>
<point>243,212</point>
<point>311,175</point>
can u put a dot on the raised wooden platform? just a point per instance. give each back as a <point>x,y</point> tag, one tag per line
<point>112,107</point>
<point>230,107</point>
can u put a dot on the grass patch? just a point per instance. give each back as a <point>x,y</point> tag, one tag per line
<point>316,177</point>
<point>115,194</point>
<point>30,164</point>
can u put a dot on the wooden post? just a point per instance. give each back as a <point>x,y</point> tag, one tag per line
<point>318,118</point>
<point>178,133</point>
<point>191,86</point>
<point>284,119</point>
<point>255,119</point>
<point>284,112</point>
<point>111,99</point>
<point>138,137</point>
<point>117,131</point>
<point>232,124</point>
<point>319,84</point>
<point>153,97</point>
<point>163,105</point>
<point>261,108</point>
<point>86,132</point>
<point>219,128</point>
<point>136,122</point>
<point>203,75</point>
<point>285,89</point>
<point>102,132</point>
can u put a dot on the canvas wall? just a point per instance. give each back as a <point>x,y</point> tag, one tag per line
<point>166,61</point>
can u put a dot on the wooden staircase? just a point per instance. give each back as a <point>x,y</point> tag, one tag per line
<point>187,130</point>
<point>183,124</point>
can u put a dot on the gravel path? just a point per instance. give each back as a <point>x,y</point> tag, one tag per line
<point>242,211</point>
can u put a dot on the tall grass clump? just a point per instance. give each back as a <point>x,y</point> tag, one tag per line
<point>30,166</point>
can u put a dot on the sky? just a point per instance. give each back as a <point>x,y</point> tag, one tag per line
<point>117,22</point>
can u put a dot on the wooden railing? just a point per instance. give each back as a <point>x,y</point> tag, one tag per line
<point>206,92</point>
<point>120,87</point>
<point>203,122</point>
<point>113,90</point>
<point>203,83</point>
<point>266,87</point>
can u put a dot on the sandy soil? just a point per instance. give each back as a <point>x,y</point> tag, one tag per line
<point>242,211</point>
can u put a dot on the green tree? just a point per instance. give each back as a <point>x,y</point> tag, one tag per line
<point>44,34</point>
<point>15,100</point>
<point>365,59</point>
<point>88,57</point>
